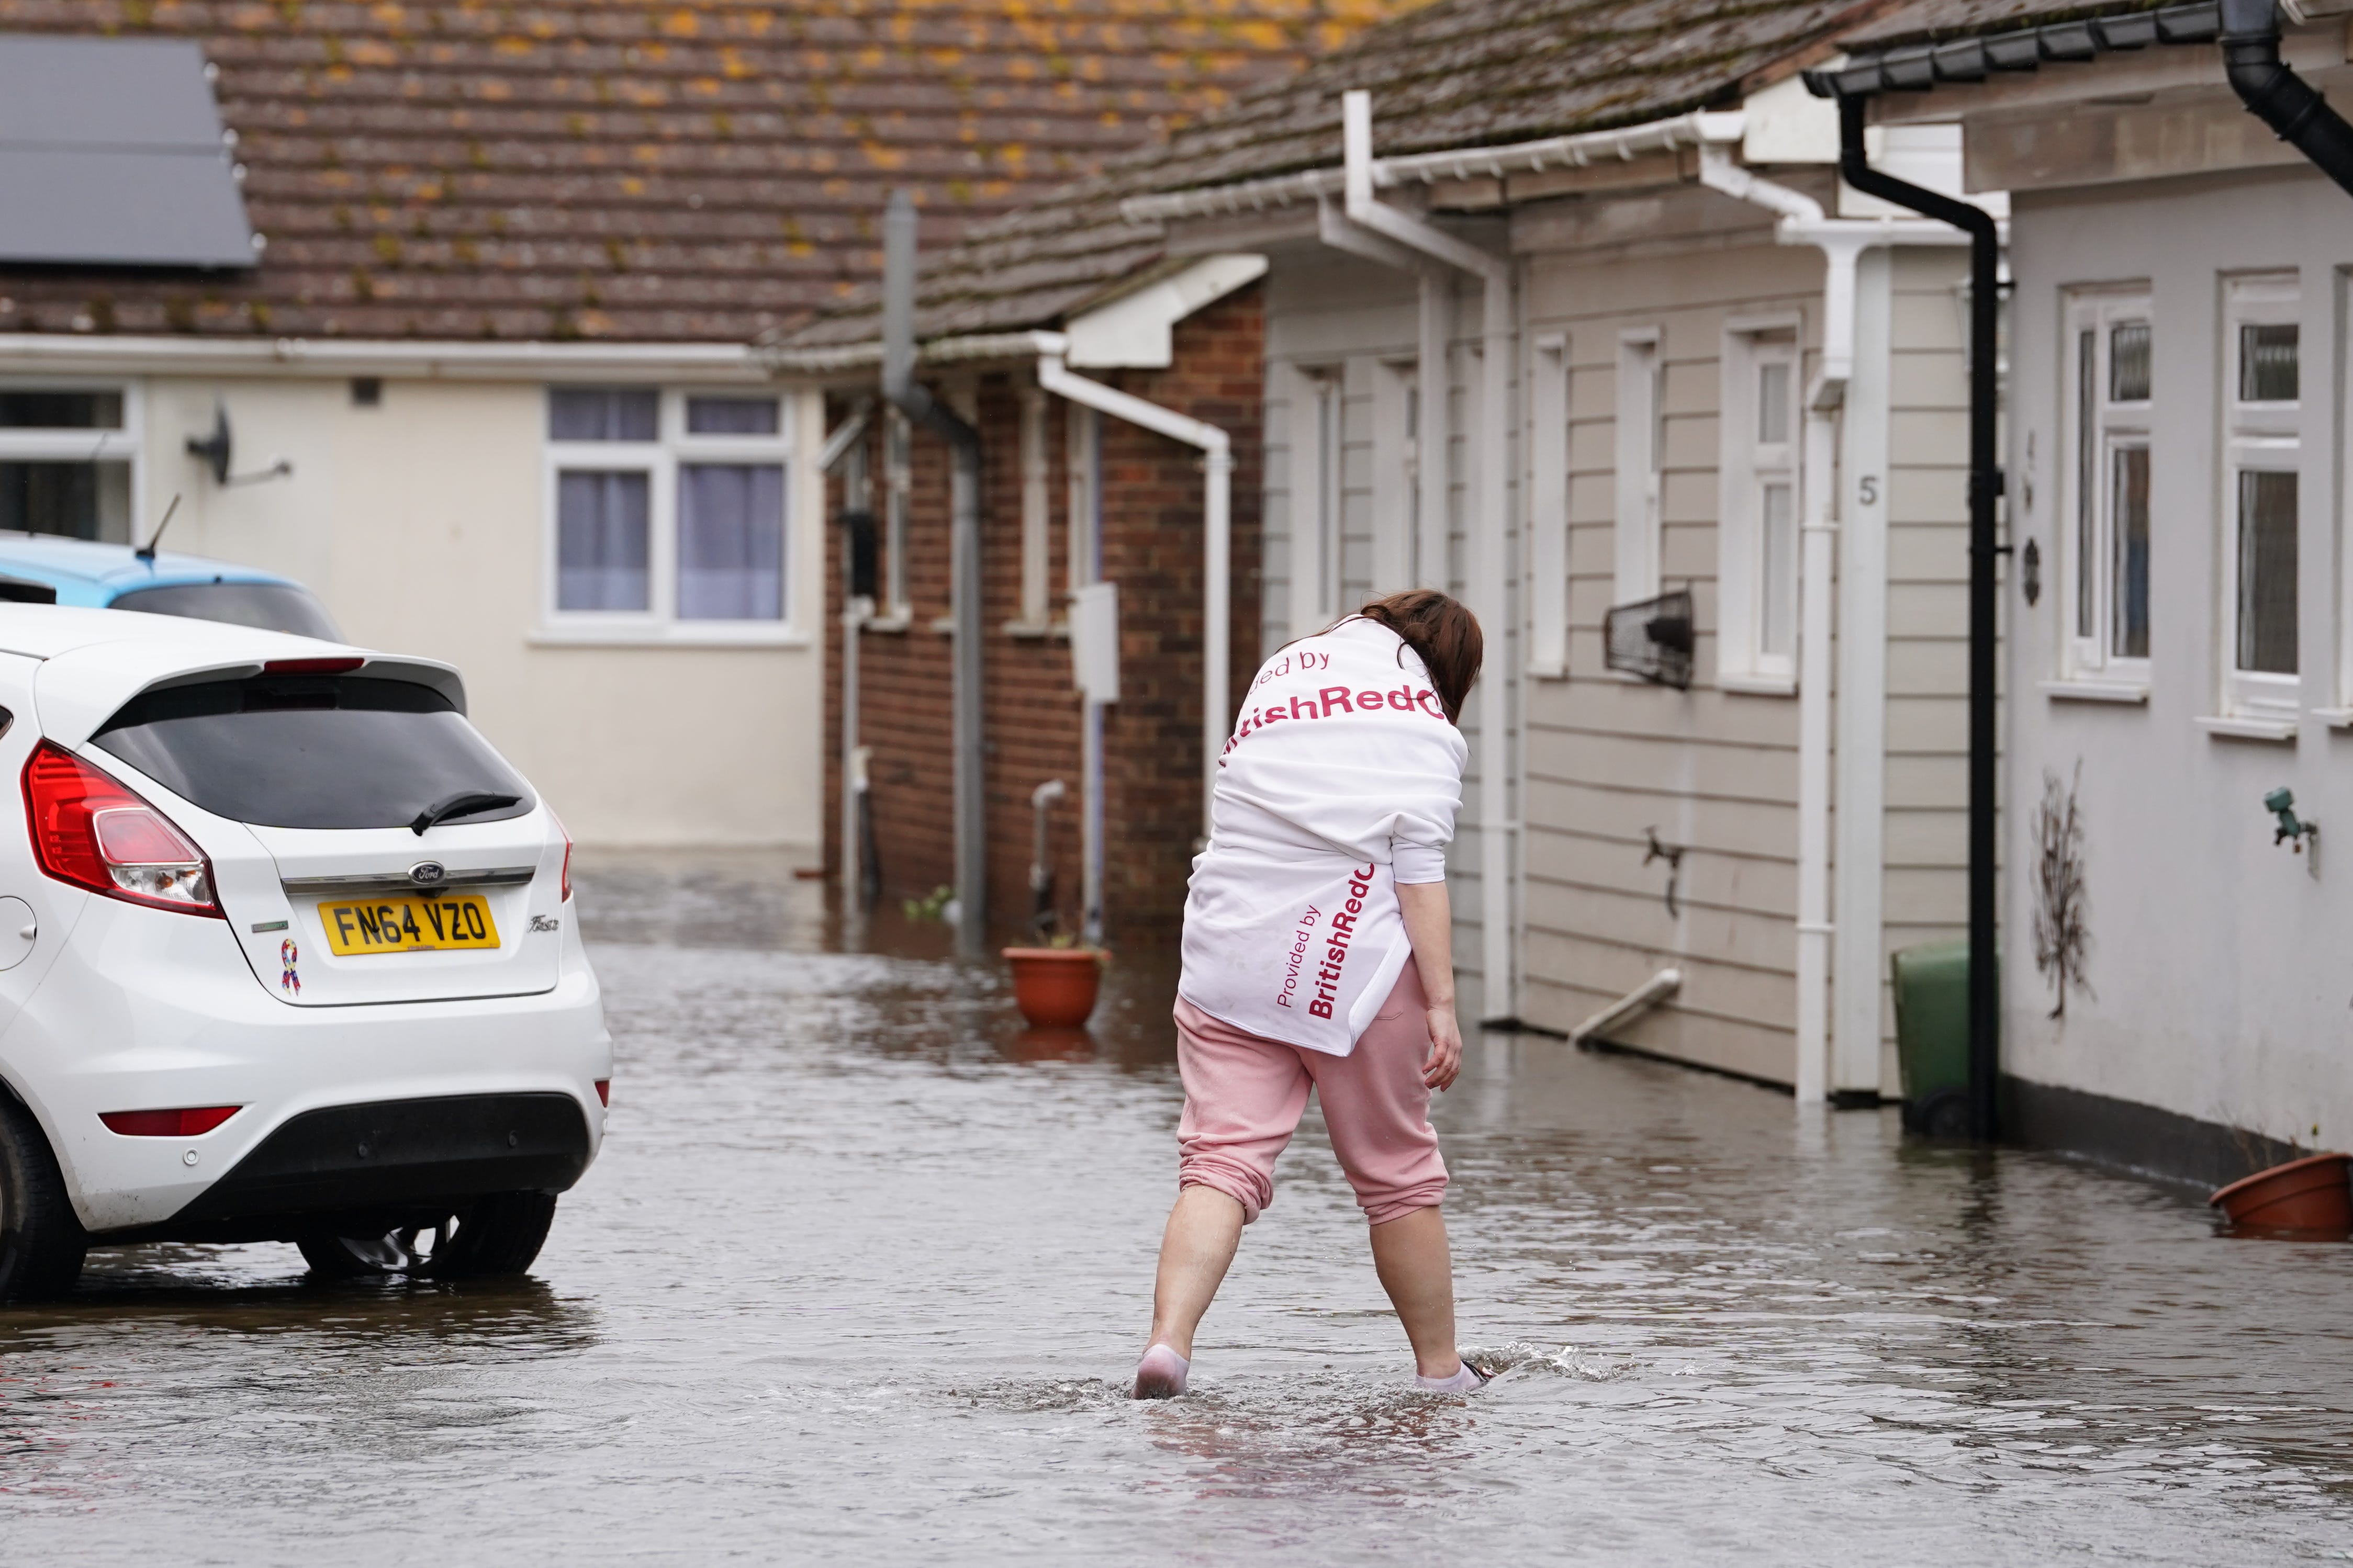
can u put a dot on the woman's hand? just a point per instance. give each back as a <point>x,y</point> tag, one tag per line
<point>1429,927</point>
<point>1445,1058</point>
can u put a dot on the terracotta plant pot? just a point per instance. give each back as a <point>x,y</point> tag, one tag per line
<point>2307,1197</point>
<point>1055,986</point>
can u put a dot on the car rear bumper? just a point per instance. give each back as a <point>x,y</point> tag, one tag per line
<point>379,1165</point>
<point>161,1012</point>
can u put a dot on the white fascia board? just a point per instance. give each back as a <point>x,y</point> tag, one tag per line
<point>128,356</point>
<point>1137,329</point>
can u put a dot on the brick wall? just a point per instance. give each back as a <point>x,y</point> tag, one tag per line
<point>1152,545</point>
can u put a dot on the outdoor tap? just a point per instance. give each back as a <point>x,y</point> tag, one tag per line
<point>2291,830</point>
<point>2281,802</point>
<point>1041,875</point>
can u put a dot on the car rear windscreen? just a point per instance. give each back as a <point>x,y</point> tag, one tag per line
<point>272,607</point>
<point>311,751</point>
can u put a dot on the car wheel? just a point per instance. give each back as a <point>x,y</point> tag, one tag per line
<point>495,1235</point>
<point>41,1242</point>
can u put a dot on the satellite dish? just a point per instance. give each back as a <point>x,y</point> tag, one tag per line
<point>214,449</point>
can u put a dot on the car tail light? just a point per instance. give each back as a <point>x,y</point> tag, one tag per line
<point>189,1122</point>
<point>90,831</point>
<point>605,1092</point>
<point>567,854</point>
<point>312,665</point>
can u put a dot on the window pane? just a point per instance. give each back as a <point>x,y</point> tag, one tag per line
<point>272,607</point>
<point>2128,362</point>
<point>730,541</point>
<point>601,413</point>
<point>601,533</point>
<point>2267,571</point>
<point>730,416</point>
<point>79,500</point>
<point>2128,515</point>
<point>1778,631</point>
<point>310,750</point>
<point>25,409</point>
<point>2087,480</point>
<point>1772,403</point>
<point>2267,367</point>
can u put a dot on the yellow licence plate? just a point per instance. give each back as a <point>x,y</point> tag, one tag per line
<point>408,925</point>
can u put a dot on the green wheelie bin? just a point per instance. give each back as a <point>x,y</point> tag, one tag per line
<point>1932,1036</point>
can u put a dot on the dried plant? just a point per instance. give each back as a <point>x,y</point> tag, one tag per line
<point>2062,933</point>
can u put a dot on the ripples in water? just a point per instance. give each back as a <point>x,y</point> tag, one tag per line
<point>865,1265</point>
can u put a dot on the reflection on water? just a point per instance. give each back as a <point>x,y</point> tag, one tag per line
<point>861,1272</point>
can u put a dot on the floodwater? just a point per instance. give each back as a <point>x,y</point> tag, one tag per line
<point>863,1268</point>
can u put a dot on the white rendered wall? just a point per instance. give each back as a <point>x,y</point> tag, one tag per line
<point>419,523</point>
<point>2218,984</point>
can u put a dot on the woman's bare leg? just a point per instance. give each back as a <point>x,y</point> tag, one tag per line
<point>1410,1254</point>
<point>1204,1229</point>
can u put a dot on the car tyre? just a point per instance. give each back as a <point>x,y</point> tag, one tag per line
<point>496,1235</point>
<point>41,1242</point>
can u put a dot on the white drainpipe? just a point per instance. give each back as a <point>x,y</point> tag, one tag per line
<point>1490,463</point>
<point>844,443</point>
<point>1841,242</point>
<point>1216,529</point>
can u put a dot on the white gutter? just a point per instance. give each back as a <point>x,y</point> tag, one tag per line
<point>84,352</point>
<point>1216,532</point>
<point>867,354</point>
<point>1572,151</point>
<point>1841,242</point>
<point>1485,569</point>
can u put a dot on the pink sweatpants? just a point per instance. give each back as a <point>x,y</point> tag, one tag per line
<point>1244,1094</point>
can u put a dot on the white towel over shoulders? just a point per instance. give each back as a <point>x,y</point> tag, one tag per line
<point>1343,779</point>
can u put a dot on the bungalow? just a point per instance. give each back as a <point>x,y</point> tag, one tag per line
<point>1581,325</point>
<point>481,297</point>
<point>2179,654</point>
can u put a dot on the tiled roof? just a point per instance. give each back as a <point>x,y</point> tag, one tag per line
<point>670,170</point>
<point>1458,73</point>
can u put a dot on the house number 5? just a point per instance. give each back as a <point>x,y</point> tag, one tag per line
<point>1868,486</point>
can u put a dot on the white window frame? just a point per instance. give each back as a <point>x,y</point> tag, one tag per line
<point>1548,372</point>
<point>1318,425</point>
<point>1036,616</point>
<point>2257,437</point>
<point>127,445</point>
<point>1642,464</point>
<point>2091,440</point>
<point>1397,488</point>
<point>660,459</point>
<point>1082,458</point>
<point>1748,467</point>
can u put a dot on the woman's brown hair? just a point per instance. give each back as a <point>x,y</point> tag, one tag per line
<point>1443,633</point>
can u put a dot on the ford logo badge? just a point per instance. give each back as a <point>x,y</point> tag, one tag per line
<point>428,873</point>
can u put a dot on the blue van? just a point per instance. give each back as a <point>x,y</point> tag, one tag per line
<point>48,568</point>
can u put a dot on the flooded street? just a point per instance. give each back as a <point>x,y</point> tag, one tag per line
<point>863,1268</point>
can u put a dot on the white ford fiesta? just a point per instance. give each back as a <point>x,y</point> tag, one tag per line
<point>287,953</point>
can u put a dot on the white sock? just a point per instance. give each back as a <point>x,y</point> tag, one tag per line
<point>1161,1368</point>
<point>1466,1378</point>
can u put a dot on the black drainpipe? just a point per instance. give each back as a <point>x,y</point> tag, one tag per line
<point>2276,95</point>
<point>1984,487</point>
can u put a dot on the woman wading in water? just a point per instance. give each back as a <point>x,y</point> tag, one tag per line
<point>1317,955</point>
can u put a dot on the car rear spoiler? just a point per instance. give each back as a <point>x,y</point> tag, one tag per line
<point>79,690</point>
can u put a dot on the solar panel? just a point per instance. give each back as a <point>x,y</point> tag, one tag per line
<point>111,154</point>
